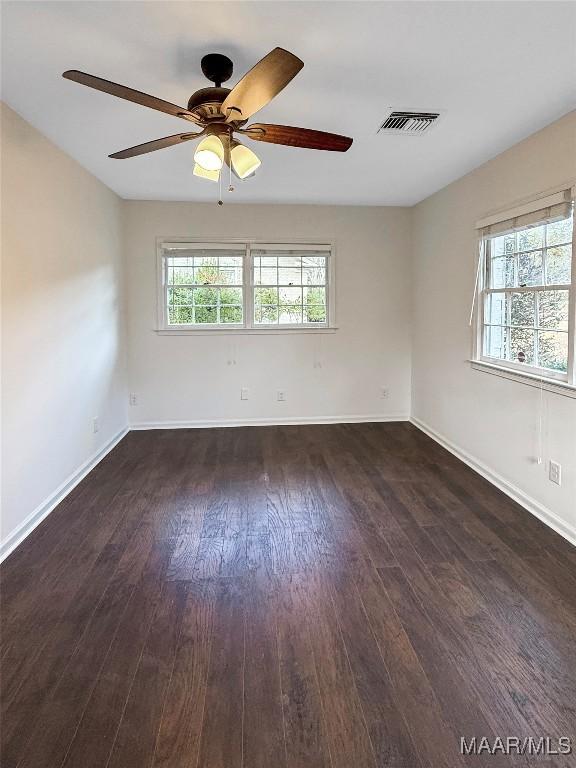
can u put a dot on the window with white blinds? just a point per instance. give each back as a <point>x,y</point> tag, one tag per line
<point>244,285</point>
<point>527,295</point>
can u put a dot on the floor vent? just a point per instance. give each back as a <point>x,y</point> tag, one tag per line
<point>408,122</point>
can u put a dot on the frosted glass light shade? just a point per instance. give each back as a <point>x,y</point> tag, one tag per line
<point>244,161</point>
<point>204,174</point>
<point>209,154</point>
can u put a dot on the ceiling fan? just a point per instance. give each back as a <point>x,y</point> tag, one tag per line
<point>223,113</point>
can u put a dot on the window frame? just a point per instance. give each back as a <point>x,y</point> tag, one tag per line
<point>248,325</point>
<point>483,290</point>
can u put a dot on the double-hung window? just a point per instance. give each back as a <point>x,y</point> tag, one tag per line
<point>226,286</point>
<point>527,291</point>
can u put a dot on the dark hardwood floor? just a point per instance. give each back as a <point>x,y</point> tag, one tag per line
<point>343,596</point>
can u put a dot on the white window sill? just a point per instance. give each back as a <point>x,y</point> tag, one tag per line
<point>242,331</point>
<point>529,379</point>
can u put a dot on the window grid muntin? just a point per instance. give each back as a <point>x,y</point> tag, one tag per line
<point>167,250</point>
<point>537,289</point>
<point>301,256</point>
<point>237,263</point>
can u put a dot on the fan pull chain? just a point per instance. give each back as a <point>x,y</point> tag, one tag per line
<point>230,187</point>
<point>220,201</point>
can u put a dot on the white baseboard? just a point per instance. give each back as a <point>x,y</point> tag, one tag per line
<point>268,422</point>
<point>544,514</point>
<point>43,510</point>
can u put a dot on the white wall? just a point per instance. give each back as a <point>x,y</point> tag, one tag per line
<point>492,419</point>
<point>63,357</point>
<point>182,379</point>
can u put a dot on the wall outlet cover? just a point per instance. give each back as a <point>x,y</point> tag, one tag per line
<point>555,472</point>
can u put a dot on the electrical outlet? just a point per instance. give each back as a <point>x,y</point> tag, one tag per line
<point>244,393</point>
<point>384,393</point>
<point>555,472</point>
<point>95,424</point>
<point>281,395</point>
<point>133,398</point>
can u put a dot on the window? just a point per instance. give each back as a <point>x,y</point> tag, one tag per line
<point>289,287</point>
<point>204,286</point>
<point>244,286</point>
<point>526,312</point>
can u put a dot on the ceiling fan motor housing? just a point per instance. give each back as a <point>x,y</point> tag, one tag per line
<point>206,103</point>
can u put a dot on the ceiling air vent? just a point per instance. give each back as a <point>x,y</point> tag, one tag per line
<point>411,122</point>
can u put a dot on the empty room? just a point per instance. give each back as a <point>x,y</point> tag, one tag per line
<point>288,384</point>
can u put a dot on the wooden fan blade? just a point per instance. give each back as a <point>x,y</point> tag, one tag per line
<point>152,146</point>
<point>259,86</point>
<point>123,92</point>
<point>297,137</point>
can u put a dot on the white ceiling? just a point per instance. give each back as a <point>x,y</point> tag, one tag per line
<point>501,70</point>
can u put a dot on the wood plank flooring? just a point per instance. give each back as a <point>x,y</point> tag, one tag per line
<point>342,596</point>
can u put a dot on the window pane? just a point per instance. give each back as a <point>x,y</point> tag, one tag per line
<point>530,239</point>
<point>502,272</point>
<point>495,311</point>
<point>553,310</point>
<point>530,268</point>
<point>553,350</point>
<point>230,295</point>
<point>214,274</point>
<point>522,345</point>
<point>230,314</point>
<point>205,296</point>
<point>180,315</point>
<point>179,296</point>
<point>314,314</point>
<point>313,261</point>
<point>229,275</point>
<point>265,296</point>
<point>500,246</point>
<point>314,295</point>
<point>265,315</point>
<point>180,275</point>
<point>268,261</point>
<point>231,261</point>
<point>290,314</point>
<point>289,276</point>
<point>265,276</point>
<point>290,295</point>
<point>313,276</point>
<point>560,232</point>
<point>522,309</point>
<point>558,265</point>
<point>181,261</point>
<point>265,270</point>
<point>495,340</point>
<point>206,314</point>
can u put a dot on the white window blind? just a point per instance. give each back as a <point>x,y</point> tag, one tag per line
<point>541,211</point>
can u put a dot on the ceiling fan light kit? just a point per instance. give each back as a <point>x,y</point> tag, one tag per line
<point>244,162</point>
<point>202,173</point>
<point>209,154</point>
<point>221,112</point>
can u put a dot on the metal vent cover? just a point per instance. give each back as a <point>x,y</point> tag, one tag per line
<point>409,122</point>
